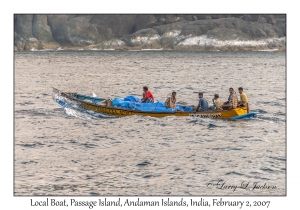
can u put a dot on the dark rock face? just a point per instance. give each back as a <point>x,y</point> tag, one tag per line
<point>253,18</point>
<point>145,21</point>
<point>59,26</point>
<point>40,28</point>
<point>23,25</point>
<point>113,26</point>
<point>270,19</point>
<point>146,31</point>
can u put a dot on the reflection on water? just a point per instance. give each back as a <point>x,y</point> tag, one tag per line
<point>71,151</point>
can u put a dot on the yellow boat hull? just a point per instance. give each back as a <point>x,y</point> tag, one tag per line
<point>114,111</point>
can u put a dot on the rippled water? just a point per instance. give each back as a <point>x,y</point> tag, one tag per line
<point>70,151</point>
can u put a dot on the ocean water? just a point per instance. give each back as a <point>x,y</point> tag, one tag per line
<point>72,151</point>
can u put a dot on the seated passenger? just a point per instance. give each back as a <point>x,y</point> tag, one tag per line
<point>147,96</point>
<point>244,100</point>
<point>217,102</point>
<point>202,105</point>
<point>170,102</point>
<point>232,100</point>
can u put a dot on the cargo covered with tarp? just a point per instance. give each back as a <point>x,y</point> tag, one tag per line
<point>132,102</point>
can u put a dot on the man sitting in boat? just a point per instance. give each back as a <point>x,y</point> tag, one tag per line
<point>170,102</point>
<point>217,102</point>
<point>232,100</point>
<point>202,105</point>
<point>147,96</point>
<point>244,100</point>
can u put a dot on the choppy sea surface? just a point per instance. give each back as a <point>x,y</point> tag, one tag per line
<point>71,151</point>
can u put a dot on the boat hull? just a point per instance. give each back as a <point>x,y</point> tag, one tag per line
<point>126,112</point>
<point>123,112</point>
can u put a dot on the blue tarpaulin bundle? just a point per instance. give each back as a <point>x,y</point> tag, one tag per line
<point>118,102</point>
<point>132,99</point>
<point>188,109</point>
<point>133,102</point>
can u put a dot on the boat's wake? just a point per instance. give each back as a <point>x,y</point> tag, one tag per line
<point>75,110</point>
<point>271,117</point>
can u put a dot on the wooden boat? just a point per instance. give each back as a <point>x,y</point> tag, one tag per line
<point>93,103</point>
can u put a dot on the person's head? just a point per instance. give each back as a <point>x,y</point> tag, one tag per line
<point>231,90</point>
<point>216,96</point>
<point>174,94</point>
<point>240,89</point>
<point>200,95</point>
<point>145,88</point>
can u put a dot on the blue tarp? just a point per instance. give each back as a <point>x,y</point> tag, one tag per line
<point>188,109</point>
<point>118,102</point>
<point>132,99</point>
<point>133,102</point>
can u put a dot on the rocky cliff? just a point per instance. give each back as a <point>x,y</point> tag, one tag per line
<point>125,32</point>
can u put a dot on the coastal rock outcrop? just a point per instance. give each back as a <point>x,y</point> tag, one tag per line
<point>171,31</point>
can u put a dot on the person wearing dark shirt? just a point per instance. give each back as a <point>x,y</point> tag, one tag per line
<point>202,105</point>
<point>147,96</point>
